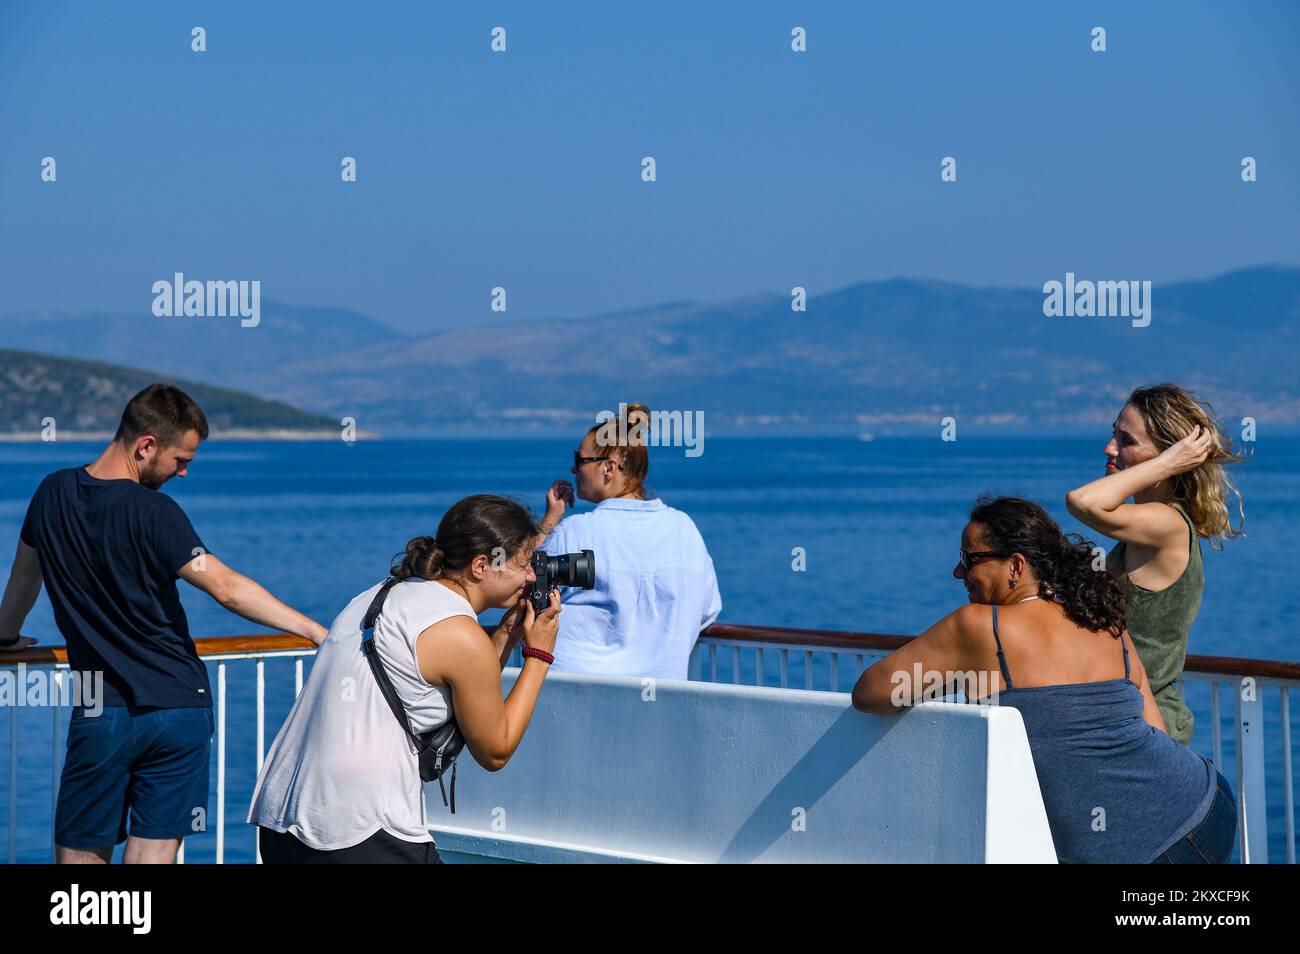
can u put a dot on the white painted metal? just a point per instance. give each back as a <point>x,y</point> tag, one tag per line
<point>13,785</point>
<point>768,775</point>
<point>1252,812</point>
<point>221,762</point>
<point>54,759</point>
<point>1288,780</point>
<point>1249,769</point>
<point>261,739</point>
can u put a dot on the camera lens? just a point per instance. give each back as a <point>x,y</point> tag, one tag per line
<point>572,569</point>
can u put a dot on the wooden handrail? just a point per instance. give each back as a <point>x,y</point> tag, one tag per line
<point>206,645</point>
<point>825,639</point>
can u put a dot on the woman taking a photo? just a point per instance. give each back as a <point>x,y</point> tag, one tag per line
<point>1168,455</point>
<point>656,589</point>
<point>1054,628</point>
<point>341,783</point>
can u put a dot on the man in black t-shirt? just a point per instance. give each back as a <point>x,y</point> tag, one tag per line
<point>109,547</point>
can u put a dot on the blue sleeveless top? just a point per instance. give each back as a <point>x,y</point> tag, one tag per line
<point>1117,790</point>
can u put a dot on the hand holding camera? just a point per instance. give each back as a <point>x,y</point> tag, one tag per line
<point>540,630</point>
<point>565,569</point>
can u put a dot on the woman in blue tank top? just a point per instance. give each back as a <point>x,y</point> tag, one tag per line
<point>1116,787</point>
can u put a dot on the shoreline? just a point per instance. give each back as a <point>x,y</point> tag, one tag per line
<point>971,434</point>
<point>241,434</point>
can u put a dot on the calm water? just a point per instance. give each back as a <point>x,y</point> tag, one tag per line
<point>880,521</point>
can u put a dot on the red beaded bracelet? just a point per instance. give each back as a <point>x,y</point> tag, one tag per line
<point>541,654</point>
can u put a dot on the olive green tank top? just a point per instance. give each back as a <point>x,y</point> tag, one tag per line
<point>1158,622</point>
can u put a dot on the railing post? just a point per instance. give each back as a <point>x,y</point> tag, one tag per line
<point>221,763</point>
<point>54,760</point>
<point>1251,791</point>
<point>261,742</point>
<point>13,784</point>
<point>1288,792</point>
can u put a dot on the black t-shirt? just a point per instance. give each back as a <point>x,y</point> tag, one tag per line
<point>110,551</point>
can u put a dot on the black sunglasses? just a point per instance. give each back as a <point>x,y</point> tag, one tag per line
<point>968,559</point>
<point>579,460</point>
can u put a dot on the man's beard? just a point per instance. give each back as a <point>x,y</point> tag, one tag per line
<point>153,477</point>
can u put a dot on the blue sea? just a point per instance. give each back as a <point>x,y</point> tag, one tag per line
<point>879,521</point>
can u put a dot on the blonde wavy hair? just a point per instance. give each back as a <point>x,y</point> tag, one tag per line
<point>1170,414</point>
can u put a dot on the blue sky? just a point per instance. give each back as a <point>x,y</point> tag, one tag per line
<point>522,169</point>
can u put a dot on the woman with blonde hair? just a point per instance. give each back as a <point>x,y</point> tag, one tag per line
<point>1094,729</point>
<point>656,588</point>
<point>1168,454</point>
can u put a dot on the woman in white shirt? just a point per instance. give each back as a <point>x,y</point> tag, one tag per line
<point>341,783</point>
<point>655,583</point>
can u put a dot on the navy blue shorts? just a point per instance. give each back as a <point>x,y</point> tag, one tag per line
<point>148,765</point>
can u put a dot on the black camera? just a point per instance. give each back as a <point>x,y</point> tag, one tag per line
<point>566,569</point>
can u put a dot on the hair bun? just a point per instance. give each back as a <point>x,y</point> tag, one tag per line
<point>422,558</point>
<point>637,420</point>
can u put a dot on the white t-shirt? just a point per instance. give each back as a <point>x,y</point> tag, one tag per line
<point>341,767</point>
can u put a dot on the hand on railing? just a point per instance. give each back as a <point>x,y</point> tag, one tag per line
<point>22,642</point>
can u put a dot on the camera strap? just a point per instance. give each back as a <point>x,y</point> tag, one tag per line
<point>386,688</point>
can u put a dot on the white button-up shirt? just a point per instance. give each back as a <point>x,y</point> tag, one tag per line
<point>655,590</point>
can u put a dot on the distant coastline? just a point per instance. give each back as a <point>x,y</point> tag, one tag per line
<point>238,434</point>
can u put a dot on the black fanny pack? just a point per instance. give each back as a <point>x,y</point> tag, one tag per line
<point>438,748</point>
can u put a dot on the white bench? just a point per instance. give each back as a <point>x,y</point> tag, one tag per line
<point>624,769</point>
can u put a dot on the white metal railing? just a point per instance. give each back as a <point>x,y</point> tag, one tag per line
<point>763,662</point>
<point>221,660</point>
<point>743,658</point>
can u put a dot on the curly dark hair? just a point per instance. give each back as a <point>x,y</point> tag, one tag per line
<point>1063,562</point>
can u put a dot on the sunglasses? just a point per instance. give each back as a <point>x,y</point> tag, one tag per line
<point>969,559</point>
<point>579,460</point>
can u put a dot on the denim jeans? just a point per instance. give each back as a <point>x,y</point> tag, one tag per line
<point>1211,841</point>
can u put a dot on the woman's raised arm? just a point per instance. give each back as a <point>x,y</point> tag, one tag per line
<point>1102,504</point>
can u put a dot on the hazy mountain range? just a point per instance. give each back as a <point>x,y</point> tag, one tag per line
<point>877,356</point>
